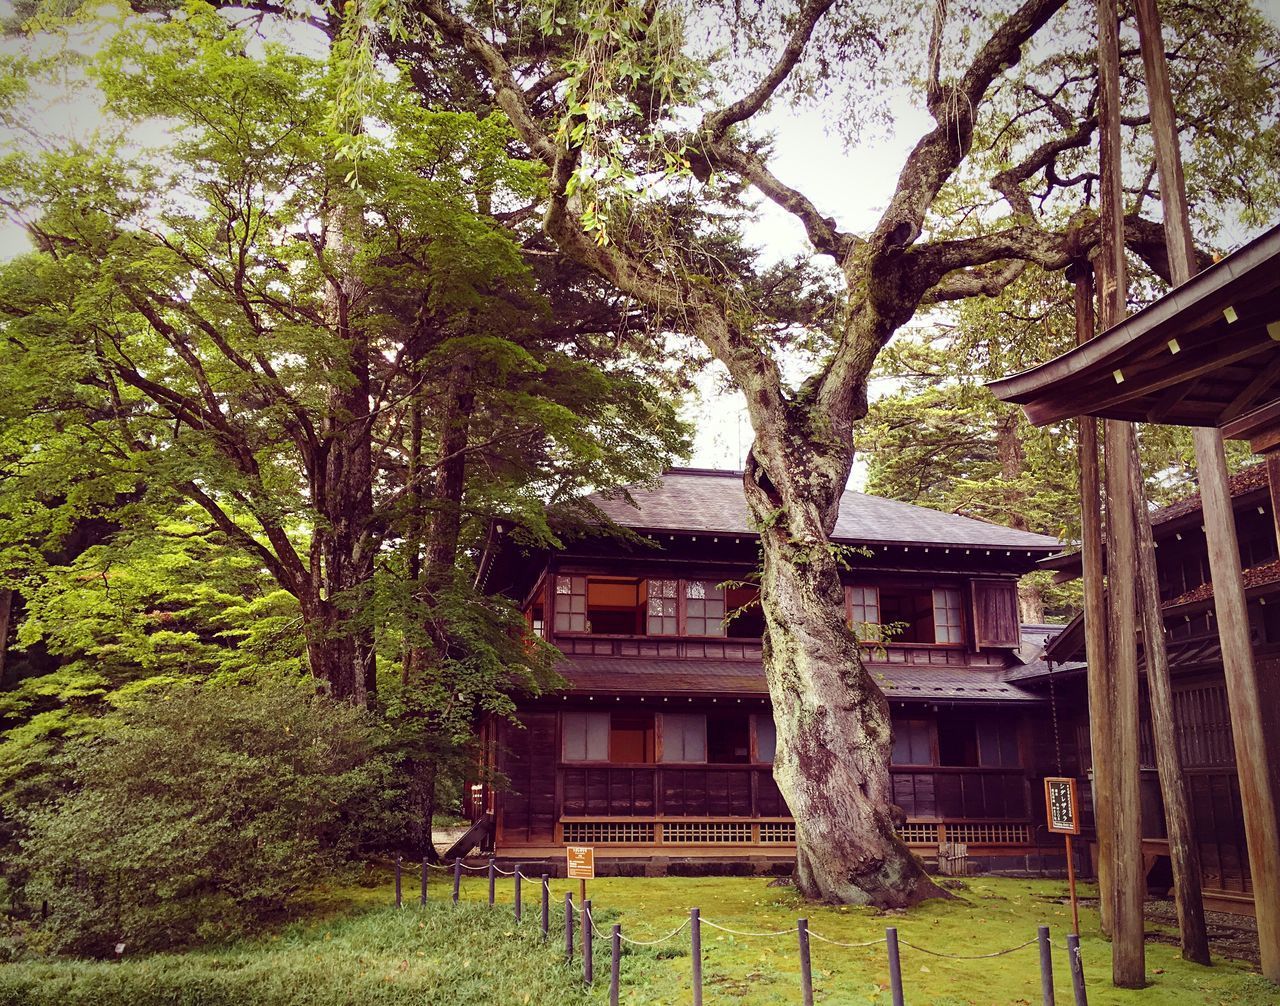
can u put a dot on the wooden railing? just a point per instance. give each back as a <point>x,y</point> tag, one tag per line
<point>748,791</point>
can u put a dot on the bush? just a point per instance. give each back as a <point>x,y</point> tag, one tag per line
<point>201,812</point>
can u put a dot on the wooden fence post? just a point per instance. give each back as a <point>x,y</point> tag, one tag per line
<point>695,945</point>
<point>568,926</point>
<point>615,949</point>
<point>546,906</point>
<point>806,974</point>
<point>588,965</point>
<point>515,875</point>
<point>399,904</point>
<point>493,876</point>
<point>895,966</point>
<point>457,878</point>
<point>1077,970</point>
<point>1046,966</point>
<point>422,894</point>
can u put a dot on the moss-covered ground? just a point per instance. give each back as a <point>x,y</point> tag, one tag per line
<point>355,949</point>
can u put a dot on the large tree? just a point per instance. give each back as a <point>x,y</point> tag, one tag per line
<point>624,113</point>
<point>174,360</point>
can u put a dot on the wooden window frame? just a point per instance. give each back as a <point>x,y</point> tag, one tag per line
<point>908,585</point>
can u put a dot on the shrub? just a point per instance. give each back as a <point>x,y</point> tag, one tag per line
<point>201,812</point>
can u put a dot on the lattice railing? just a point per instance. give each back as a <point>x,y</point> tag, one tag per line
<point>778,833</point>
<point>970,832</point>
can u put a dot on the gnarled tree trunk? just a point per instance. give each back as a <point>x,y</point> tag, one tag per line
<point>834,732</point>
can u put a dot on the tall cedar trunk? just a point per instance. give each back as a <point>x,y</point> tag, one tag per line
<point>834,732</point>
<point>6,611</point>
<point>436,570</point>
<point>1013,459</point>
<point>340,647</point>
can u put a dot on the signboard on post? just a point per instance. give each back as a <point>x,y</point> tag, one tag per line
<point>581,862</point>
<point>1062,810</point>
<point>1061,806</point>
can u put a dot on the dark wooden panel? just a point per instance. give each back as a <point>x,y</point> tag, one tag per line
<point>995,613</point>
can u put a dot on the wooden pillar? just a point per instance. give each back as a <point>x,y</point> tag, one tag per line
<point>1257,787</point>
<point>1128,878</point>
<point>1101,737</point>
<point>1184,851</point>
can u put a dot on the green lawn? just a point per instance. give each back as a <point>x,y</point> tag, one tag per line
<point>356,951</point>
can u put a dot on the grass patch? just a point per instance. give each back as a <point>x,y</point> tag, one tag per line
<point>367,953</point>
<point>379,957</point>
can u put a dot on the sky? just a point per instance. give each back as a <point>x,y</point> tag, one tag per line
<point>853,187</point>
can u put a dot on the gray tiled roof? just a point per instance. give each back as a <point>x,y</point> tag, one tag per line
<point>658,677</point>
<point>699,500</point>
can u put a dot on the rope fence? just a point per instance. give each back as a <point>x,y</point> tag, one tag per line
<point>589,932</point>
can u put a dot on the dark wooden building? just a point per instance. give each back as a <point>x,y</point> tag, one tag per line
<point>1201,711</point>
<point>661,745</point>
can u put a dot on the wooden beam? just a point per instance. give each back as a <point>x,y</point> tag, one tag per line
<point>1184,850</point>
<point>1264,382</point>
<point>1128,957</point>
<point>1257,788</point>
<point>1098,680</point>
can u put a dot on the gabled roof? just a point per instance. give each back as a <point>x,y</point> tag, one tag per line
<point>692,678</point>
<point>705,500</point>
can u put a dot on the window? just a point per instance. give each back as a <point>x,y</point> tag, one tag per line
<point>684,737</point>
<point>746,617</point>
<point>948,622</point>
<point>586,736</point>
<point>704,608</point>
<point>571,604</point>
<point>631,737</point>
<point>728,738</point>
<point>766,737</point>
<point>662,603</point>
<point>998,741</point>
<point>864,612</point>
<point>912,742</point>
<point>615,605</point>
<point>957,739</point>
<point>533,616</point>
<point>907,614</point>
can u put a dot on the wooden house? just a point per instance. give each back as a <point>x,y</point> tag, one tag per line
<point>1200,707</point>
<point>660,747</point>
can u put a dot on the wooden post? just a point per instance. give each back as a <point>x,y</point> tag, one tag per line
<point>895,966</point>
<point>1098,677</point>
<point>588,965</point>
<point>806,973</point>
<point>422,893</point>
<point>1076,966</point>
<point>515,875</point>
<point>568,926</point>
<point>399,902</point>
<point>1184,851</point>
<point>1258,797</point>
<point>1046,964</point>
<point>615,963</point>
<point>1071,886</point>
<point>546,906</point>
<point>695,947</point>
<point>1257,792</point>
<point>457,879</point>
<point>1128,878</point>
<point>493,876</point>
